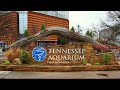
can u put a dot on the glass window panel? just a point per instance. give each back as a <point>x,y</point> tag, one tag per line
<point>22,21</point>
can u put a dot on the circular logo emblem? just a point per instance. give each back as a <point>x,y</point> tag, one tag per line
<point>39,53</point>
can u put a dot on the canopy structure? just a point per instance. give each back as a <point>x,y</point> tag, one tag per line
<point>53,31</point>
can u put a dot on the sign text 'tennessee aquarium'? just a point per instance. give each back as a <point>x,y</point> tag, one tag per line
<point>66,54</point>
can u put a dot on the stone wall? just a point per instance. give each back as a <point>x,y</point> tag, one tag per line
<point>90,55</point>
<point>38,68</point>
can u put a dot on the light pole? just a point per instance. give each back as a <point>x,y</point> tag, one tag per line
<point>78,27</point>
<point>79,30</point>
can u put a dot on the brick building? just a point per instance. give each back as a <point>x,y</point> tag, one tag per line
<point>35,20</point>
<point>17,21</point>
<point>9,31</point>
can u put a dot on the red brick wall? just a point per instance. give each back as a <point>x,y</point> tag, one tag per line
<point>35,21</point>
<point>9,23</point>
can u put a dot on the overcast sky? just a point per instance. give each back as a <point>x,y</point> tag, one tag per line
<point>86,19</point>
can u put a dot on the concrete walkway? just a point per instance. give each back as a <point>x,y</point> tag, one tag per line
<point>60,75</point>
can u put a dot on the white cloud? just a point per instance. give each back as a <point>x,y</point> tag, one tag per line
<point>85,18</point>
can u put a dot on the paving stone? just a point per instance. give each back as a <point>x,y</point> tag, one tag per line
<point>60,75</point>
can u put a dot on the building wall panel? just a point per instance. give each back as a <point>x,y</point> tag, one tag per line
<point>37,19</point>
<point>9,22</point>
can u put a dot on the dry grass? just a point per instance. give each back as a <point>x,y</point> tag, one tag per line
<point>13,53</point>
<point>17,53</point>
<point>31,58</point>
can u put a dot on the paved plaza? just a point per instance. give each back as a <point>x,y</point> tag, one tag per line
<point>60,75</point>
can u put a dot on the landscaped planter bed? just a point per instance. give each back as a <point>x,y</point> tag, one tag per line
<point>42,68</point>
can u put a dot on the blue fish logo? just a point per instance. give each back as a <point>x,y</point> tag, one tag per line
<point>39,53</point>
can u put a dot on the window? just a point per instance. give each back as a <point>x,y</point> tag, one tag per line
<point>23,19</point>
<point>42,44</point>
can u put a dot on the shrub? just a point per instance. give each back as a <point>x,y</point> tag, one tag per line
<point>62,40</point>
<point>84,62</point>
<point>13,53</point>
<point>31,58</point>
<point>10,55</point>
<point>97,63</point>
<point>25,57</point>
<point>107,58</point>
<point>6,62</point>
<point>17,61</point>
<point>17,52</point>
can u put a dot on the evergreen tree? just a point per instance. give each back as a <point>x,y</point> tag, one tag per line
<point>43,27</point>
<point>26,33</point>
<point>89,33</point>
<point>72,29</point>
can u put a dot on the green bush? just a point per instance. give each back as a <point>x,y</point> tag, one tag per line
<point>84,62</point>
<point>107,58</point>
<point>97,63</point>
<point>25,57</point>
<point>62,40</point>
<point>6,62</point>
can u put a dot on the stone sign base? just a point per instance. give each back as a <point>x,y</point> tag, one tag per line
<point>90,55</point>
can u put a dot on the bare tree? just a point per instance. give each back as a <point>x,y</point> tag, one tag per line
<point>114,23</point>
<point>96,31</point>
<point>79,29</point>
<point>114,16</point>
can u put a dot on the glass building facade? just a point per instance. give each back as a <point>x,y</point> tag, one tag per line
<point>23,21</point>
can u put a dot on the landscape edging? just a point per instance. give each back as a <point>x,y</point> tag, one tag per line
<point>58,68</point>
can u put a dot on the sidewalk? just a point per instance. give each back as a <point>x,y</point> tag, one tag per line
<point>60,75</point>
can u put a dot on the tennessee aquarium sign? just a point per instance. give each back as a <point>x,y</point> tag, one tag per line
<point>60,55</point>
<point>39,53</point>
